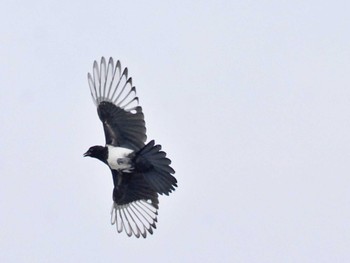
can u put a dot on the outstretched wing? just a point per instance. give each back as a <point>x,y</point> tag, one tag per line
<point>135,206</point>
<point>117,105</point>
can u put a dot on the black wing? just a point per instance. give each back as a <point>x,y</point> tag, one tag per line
<point>122,128</point>
<point>135,206</point>
<point>117,105</point>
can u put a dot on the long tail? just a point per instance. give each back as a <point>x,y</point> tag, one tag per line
<point>155,167</point>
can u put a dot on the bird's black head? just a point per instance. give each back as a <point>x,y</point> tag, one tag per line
<point>98,152</point>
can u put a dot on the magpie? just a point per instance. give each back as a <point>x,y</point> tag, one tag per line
<point>140,171</point>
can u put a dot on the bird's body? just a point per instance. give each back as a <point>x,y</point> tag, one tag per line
<point>140,171</point>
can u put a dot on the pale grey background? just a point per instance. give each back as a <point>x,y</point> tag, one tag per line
<point>249,98</point>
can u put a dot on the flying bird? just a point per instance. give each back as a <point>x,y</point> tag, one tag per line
<point>140,171</point>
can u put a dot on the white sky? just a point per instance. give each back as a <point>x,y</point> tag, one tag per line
<point>250,99</point>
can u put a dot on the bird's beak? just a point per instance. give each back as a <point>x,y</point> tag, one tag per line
<point>87,154</point>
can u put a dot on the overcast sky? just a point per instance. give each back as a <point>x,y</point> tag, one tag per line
<point>250,99</point>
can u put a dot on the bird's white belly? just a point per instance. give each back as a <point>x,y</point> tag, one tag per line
<point>115,153</point>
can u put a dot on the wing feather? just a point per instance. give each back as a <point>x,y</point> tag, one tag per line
<point>135,206</point>
<point>117,104</point>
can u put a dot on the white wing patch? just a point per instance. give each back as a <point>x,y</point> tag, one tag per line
<point>138,218</point>
<point>111,83</point>
<point>115,153</point>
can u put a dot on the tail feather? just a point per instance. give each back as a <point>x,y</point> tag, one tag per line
<point>156,169</point>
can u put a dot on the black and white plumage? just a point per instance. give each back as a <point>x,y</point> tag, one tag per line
<point>140,171</point>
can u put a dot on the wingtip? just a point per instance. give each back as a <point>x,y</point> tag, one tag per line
<point>112,83</point>
<point>136,218</point>
<point>95,65</point>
